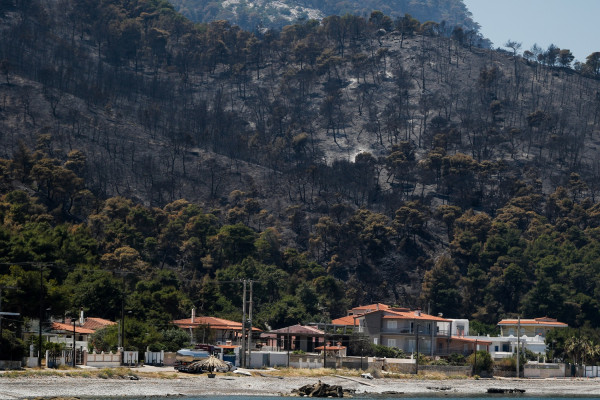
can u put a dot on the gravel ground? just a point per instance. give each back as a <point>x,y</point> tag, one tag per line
<point>200,385</point>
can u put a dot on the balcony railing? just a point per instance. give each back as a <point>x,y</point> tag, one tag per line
<point>408,331</point>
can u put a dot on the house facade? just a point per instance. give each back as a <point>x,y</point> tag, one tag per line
<point>529,327</point>
<point>82,328</point>
<point>406,330</point>
<point>296,337</point>
<point>218,330</point>
<point>527,334</point>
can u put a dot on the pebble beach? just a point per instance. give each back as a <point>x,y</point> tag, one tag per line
<point>261,384</point>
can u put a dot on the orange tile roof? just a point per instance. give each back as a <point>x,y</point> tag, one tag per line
<point>331,348</point>
<point>227,346</point>
<point>371,307</point>
<point>97,323</point>
<point>348,321</point>
<point>211,322</point>
<point>543,321</point>
<point>58,326</point>
<point>469,340</point>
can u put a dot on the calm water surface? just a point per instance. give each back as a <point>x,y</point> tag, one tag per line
<point>407,397</point>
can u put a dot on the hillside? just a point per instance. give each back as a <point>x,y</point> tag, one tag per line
<point>352,164</point>
<point>251,15</point>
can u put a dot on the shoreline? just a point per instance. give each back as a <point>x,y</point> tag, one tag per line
<point>261,384</point>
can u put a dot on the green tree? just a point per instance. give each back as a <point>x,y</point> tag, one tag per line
<point>235,242</point>
<point>484,362</point>
<point>592,63</point>
<point>440,288</point>
<point>11,347</point>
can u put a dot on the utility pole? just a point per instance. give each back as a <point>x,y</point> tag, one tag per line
<point>288,347</point>
<point>41,316</point>
<point>250,327</point>
<point>325,346</point>
<point>417,359</point>
<point>243,360</point>
<point>122,327</point>
<point>324,320</point>
<point>475,364</point>
<point>518,340</point>
<point>74,343</point>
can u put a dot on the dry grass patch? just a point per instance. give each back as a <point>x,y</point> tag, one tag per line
<point>314,372</point>
<point>429,376</point>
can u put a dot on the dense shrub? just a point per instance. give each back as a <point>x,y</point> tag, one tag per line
<point>11,347</point>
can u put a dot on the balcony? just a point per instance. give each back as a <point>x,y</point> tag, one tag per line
<point>408,331</point>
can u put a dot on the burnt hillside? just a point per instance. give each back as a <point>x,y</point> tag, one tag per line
<point>387,153</point>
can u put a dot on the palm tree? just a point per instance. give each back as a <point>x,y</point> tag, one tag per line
<point>579,348</point>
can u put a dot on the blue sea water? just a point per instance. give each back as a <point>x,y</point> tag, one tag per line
<point>399,397</point>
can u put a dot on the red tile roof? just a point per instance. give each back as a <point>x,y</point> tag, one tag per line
<point>58,326</point>
<point>543,321</point>
<point>211,322</point>
<point>97,323</point>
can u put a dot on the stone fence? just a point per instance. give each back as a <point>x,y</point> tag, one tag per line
<point>10,364</point>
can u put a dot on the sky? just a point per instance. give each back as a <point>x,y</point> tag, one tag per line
<point>568,24</point>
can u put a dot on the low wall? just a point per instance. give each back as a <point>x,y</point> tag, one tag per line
<point>504,373</point>
<point>545,370</point>
<point>9,364</point>
<point>448,370</point>
<point>592,371</point>
<point>306,361</point>
<point>261,359</point>
<point>102,360</point>
<point>353,362</point>
<point>31,362</point>
<point>409,366</point>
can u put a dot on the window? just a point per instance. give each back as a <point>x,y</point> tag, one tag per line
<point>375,341</point>
<point>391,342</point>
<point>511,331</point>
<point>392,324</point>
<point>539,331</point>
<point>496,348</point>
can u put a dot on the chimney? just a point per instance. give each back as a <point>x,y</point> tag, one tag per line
<point>81,319</point>
<point>418,312</point>
<point>193,314</point>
